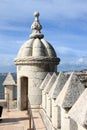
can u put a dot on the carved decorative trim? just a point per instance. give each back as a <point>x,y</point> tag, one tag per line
<point>37,60</point>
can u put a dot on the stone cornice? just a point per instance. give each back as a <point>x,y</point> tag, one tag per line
<point>37,60</point>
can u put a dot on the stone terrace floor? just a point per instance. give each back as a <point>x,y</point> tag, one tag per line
<point>14,120</point>
<point>18,120</point>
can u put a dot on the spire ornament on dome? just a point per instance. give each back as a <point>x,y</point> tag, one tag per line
<point>36,27</point>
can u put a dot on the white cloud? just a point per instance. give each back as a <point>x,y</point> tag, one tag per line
<point>71,57</point>
<point>10,47</point>
<point>58,12</point>
<point>82,61</point>
<point>66,50</point>
<point>50,9</point>
<point>13,28</point>
<point>6,59</point>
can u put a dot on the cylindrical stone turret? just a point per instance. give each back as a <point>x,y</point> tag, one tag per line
<point>35,59</point>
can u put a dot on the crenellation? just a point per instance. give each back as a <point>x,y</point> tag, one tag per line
<point>70,92</point>
<point>50,83</point>
<point>46,79</point>
<point>57,109</point>
<point>58,85</point>
<point>79,111</point>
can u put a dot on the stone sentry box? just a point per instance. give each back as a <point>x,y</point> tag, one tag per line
<point>35,59</point>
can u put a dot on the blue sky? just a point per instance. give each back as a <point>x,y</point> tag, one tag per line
<point>64,26</point>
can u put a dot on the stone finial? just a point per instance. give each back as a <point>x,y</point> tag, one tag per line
<point>36,27</point>
<point>36,24</point>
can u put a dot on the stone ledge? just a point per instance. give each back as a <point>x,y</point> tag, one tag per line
<point>46,120</point>
<point>37,60</point>
<point>38,121</point>
<point>3,103</point>
<point>12,104</point>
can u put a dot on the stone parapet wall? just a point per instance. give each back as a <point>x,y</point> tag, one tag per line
<point>46,120</point>
<point>9,105</point>
<point>3,103</point>
<point>62,111</point>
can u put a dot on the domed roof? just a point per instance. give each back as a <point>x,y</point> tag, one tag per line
<point>36,46</point>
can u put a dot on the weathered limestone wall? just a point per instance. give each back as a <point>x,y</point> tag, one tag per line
<point>9,93</point>
<point>46,90</point>
<point>61,112</point>
<point>56,116</point>
<point>35,77</point>
<point>3,103</point>
<point>64,120</point>
<point>78,112</point>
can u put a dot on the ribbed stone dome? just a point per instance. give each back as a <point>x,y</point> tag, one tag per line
<point>36,46</point>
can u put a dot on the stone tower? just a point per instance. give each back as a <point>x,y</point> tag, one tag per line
<point>35,59</point>
<point>9,84</point>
